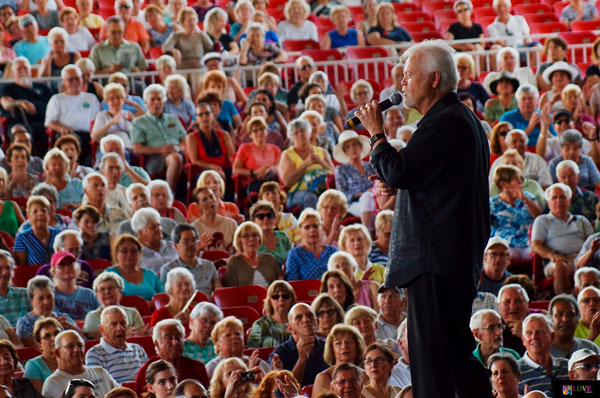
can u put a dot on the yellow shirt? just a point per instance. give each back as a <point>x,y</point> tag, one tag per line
<point>93,21</point>
<point>297,160</point>
<point>377,276</point>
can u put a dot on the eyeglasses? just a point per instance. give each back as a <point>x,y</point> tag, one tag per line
<point>311,226</point>
<point>494,328</point>
<point>285,296</point>
<point>329,312</point>
<point>498,255</point>
<point>200,114</point>
<point>462,10</point>
<point>562,120</point>
<point>587,366</point>
<point>305,67</point>
<point>375,361</point>
<point>262,216</point>
<point>125,6</point>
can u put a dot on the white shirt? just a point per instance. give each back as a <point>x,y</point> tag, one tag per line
<point>534,167</point>
<point>82,40</point>
<point>154,260</point>
<point>400,374</point>
<point>118,198</point>
<point>516,26</point>
<point>55,384</point>
<point>74,111</point>
<point>259,279</point>
<point>287,31</point>
<point>553,148</point>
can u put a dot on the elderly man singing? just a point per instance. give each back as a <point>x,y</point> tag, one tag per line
<point>442,192</point>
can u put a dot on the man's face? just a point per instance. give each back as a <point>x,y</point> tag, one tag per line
<point>496,258</point>
<point>187,244</point>
<point>5,273</point>
<point>96,190</point>
<point>415,84</point>
<point>502,8</point>
<point>526,103</point>
<point>490,333</point>
<point>390,302</point>
<point>559,201</point>
<point>72,82</point>
<point>112,171</point>
<point>70,353</point>
<point>393,120</point>
<point>305,69</point>
<point>170,343</point>
<point>72,245</point>
<point>568,177</point>
<point>346,384</point>
<point>518,142</point>
<point>124,10</point>
<point>585,370</point>
<point>302,322</point>
<point>537,337</point>
<point>155,103</point>
<point>512,306</point>
<point>588,279</point>
<point>22,71</point>
<point>114,33</point>
<point>114,329</point>
<point>589,305</point>
<point>564,319</point>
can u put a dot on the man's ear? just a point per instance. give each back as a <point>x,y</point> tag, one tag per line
<point>437,80</point>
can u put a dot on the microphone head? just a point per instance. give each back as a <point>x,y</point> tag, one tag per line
<point>396,99</point>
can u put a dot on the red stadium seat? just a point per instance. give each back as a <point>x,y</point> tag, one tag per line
<point>22,202</point>
<point>307,390</point>
<point>23,273</point>
<point>546,17</point>
<point>27,353</point>
<point>159,300</point>
<point>219,257</point>
<point>483,12</point>
<point>138,303</point>
<point>155,52</point>
<point>90,343</point>
<point>431,35</point>
<point>64,212</point>
<point>99,265</point>
<point>130,384</point>
<point>9,240</point>
<point>584,26</point>
<point>355,10</point>
<point>252,296</point>
<point>550,27</point>
<point>430,7</point>
<point>299,45</point>
<point>247,315</point>
<point>306,290</point>
<point>371,69</point>
<point>540,305</point>
<point>334,72</point>
<point>180,206</point>
<point>583,67</point>
<point>482,4</point>
<point>146,343</point>
<point>276,13</point>
<point>424,26</point>
<point>523,9</point>
<point>580,54</point>
<point>417,16</point>
<point>439,15</point>
<point>406,7</point>
<point>444,25</point>
<point>517,2</point>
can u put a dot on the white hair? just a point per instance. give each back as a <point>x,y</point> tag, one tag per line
<point>527,89</point>
<point>347,256</point>
<point>11,261</point>
<point>161,184</point>
<point>211,15</point>
<point>567,164</point>
<point>85,65</point>
<point>508,138</point>
<point>206,307</point>
<point>358,84</point>
<point>495,4</point>
<point>298,124</point>
<point>309,212</point>
<point>301,58</point>
<point>585,270</point>
<point>111,309</point>
<point>180,80</point>
<point>55,153</point>
<point>318,75</point>
<point>86,180</point>
<point>129,3</point>
<point>539,317</point>
<point>241,3</point>
<point>179,273</point>
<point>510,286</point>
<point>20,59</point>
<point>477,318</point>
<point>111,155</point>
<point>402,329</point>
<point>315,114</point>
<point>504,50</point>
<point>141,218</point>
<point>59,337</point>
<point>165,60</point>
<point>579,296</point>
<point>58,31</point>
<point>59,240</point>
<point>155,88</point>
<point>459,2</point>
<point>290,3</point>
<point>66,69</point>
<point>436,56</point>
<point>167,322</point>
<point>133,187</point>
<point>111,138</point>
<point>565,188</point>
<point>38,282</point>
<point>108,276</point>
<point>258,27</point>
<point>313,97</point>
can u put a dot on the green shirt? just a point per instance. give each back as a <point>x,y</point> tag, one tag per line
<point>203,354</point>
<point>92,319</point>
<point>582,332</point>
<point>377,276</point>
<point>502,350</point>
<point>266,332</point>
<point>126,181</point>
<point>151,131</point>
<point>129,55</point>
<point>529,185</point>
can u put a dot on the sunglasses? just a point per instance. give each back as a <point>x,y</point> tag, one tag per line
<point>305,67</point>
<point>503,133</point>
<point>329,312</point>
<point>125,6</point>
<point>285,296</point>
<point>587,366</point>
<point>262,216</point>
<point>462,10</point>
<point>562,120</point>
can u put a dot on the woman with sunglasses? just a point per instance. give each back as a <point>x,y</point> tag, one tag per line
<point>498,140</point>
<point>271,330</point>
<point>38,369</point>
<point>263,214</point>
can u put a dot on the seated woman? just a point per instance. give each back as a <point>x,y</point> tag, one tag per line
<point>356,240</point>
<point>34,245</point>
<point>12,386</point>
<point>233,91</point>
<point>58,57</point>
<point>571,142</point>
<point>155,250</point>
<point>114,120</point>
<point>133,103</point>
<point>161,380</point>
<point>214,26</point>
<point>71,147</point>
<point>158,29</point>
<point>337,285</point>
<point>271,82</point>
<point>261,6</point>
<point>277,243</point>
<point>199,345</point>
<point>573,101</point>
<point>244,11</point>
<point>361,94</point>
<point>296,26</point>
<point>216,82</point>
<point>88,85</point>
<point>333,99</point>
<point>57,221</point>
<point>328,312</point>
<point>38,369</point>
<point>40,292</point>
<point>161,200</point>
<point>318,127</point>
<point>504,89</point>
<point>318,103</point>
<point>228,380</point>
<point>137,281</point>
<point>512,211</point>
<point>303,167</point>
<point>365,320</point>
<point>70,189</point>
<point>285,222</point>
<point>96,245</point>
<point>19,183</point>
<point>333,208</point>
<point>211,179</point>
<point>383,230</point>
<point>466,71</point>
<point>342,35</point>
<point>188,45</point>
<point>464,27</point>
<point>309,259</point>
<point>80,38</point>
<point>277,112</point>
<point>180,286</point>
<point>274,137</point>
<point>387,30</point>
<point>178,103</point>
<point>379,361</point>
<point>228,337</point>
<point>507,60</point>
<point>248,267</point>
<point>271,330</point>
<point>344,344</point>
<point>578,10</point>
<point>506,374</point>
<point>365,291</point>
<point>558,76</point>
<point>257,160</point>
<point>219,227</point>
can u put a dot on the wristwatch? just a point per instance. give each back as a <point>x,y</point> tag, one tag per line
<point>376,138</point>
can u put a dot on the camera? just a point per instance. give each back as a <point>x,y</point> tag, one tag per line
<point>247,376</point>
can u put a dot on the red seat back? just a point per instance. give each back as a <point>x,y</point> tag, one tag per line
<point>23,273</point>
<point>138,303</point>
<point>306,290</point>
<point>247,315</point>
<point>251,296</point>
<point>146,343</point>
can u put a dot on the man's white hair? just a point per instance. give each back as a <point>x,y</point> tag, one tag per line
<point>155,88</point>
<point>167,322</point>
<point>510,286</point>
<point>59,240</point>
<point>539,317</point>
<point>585,270</point>
<point>19,60</point>
<point>495,4</point>
<point>67,69</point>
<point>141,218</point>
<point>111,155</point>
<point>508,138</point>
<point>592,288</point>
<point>527,89</point>
<point>111,309</point>
<point>303,58</point>
<point>59,337</point>
<point>504,50</point>
<point>161,184</point>
<point>567,164</point>
<point>477,318</point>
<point>136,186</point>
<point>436,56</point>
<point>86,180</point>
<point>111,138</point>
<point>565,188</point>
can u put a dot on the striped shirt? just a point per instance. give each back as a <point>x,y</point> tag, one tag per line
<point>535,376</point>
<point>37,253</point>
<point>15,305</point>
<point>122,365</point>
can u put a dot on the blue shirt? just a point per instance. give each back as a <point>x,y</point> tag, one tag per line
<point>589,176</point>
<point>350,181</point>
<point>34,52</point>
<point>77,304</point>
<point>511,223</point>
<point>37,253</point>
<point>37,369</point>
<point>349,39</point>
<point>71,193</point>
<point>515,118</point>
<point>228,111</point>
<point>25,324</point>
<point>536,377</point>
<point>288,353</point>
<point>127,107</point>
<point>150,285</point>
<point>15,305</point>
<point>302,264</point>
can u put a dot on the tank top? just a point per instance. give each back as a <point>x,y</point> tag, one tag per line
<point>8,218</point>
<point>337,40</point>
<point>219,156</point>
<point>55,69</point>
<point>297,160</point>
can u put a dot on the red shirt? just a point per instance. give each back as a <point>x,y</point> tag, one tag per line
<point>254,158</point>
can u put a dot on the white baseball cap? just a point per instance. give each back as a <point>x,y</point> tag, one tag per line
<point>581,355</point>
<point>496,240</point>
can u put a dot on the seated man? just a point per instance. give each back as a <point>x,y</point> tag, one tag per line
<point>134,29</point>
<point>114,143</point>
<point>33,46</point>
<point>159,136</point>
<point>584,277</point>
<point>588,327</point>
<point>559,236</point>
<point>401,371</point>
<point>486,326</point>
<point>538,367</point>
<point>138,197</point>
<point>584,365</point>
<point>564,315</point>
<point>73,110</point>
<point>14,302</point>
<point>588,255</point>
<point>20,135</point>
<point>496,258</point>
<point>112,168</point>
<point>24,101</point>
<point>346,381</point>
<point>118,357</point>
<point>168,338</point>
<point>94,187</point>
<point>393,119</point>
<point>582,202</point>
<point>71,365</point>
<point>302,353</point>
<point>392,311</point>
<point>513,303</point>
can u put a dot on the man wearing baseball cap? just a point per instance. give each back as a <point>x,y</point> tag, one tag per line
<point>496,258</point>
<point>33,46</point>
<point>584,365</point>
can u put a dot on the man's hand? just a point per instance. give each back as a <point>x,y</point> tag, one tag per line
<point>595,246</point>
<point>287,388</point>
<point>370,116</point>
<point>516,328</point>
<point>305,347</point>
<point>385,189</point>
<point>589,131</point>
<point>533,122</point>
<point>594,327</point>
<point>28,106</point>
<point>276,363</point>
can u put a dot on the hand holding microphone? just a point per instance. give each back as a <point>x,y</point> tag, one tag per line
<point>360,116</point>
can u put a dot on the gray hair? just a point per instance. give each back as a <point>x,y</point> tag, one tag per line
<point>459,2</point>
<point>585,270</point>
<point>436,56</point>
<point>539,317</point>
<point>580,295</point>
<point>6,254</point>
<point>66,69</point>
<point>58,31</point>
<point>303,58</point>
<point>504,50</point>
<point>38,282</point>
<point>515,286</point>
<point>347,256</point>
<point>179,273</point>
<point>512,362</point>
<point>298,124</point>
<point>59,337</point>
<point>318,75</point>
<point>133,187</point>
<point>142,216</point>
<point>560,185</point>
<point>571,136</point>
<point>18,60</point>
<point>567,164</point>
<point>179,80</point>
<point>165,60</point>
<point>477,318</point>
<point>85,65</point>
<point>211,15</point>
<point>206,307</point>
<point>167,322</point>
<point>508,138</point>
<point>59,240</point>
<point>402,329</point>
<point>181,228</point>
<point>563,298</point>
<point>43,188</point>
<point>161,184</point>
<point>155,88</point>
<point>256,26</point>
<point>108,276</point>
<point>94,174</point>
<point>527,89</point>
<point>111,309</point>
<point>111,138</point>
<point>111,155</point>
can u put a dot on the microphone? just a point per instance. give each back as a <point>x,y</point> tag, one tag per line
<point>395,99</point>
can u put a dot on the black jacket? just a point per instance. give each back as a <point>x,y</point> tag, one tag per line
<point>442,214</point>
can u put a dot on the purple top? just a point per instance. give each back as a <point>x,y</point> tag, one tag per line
<point>363,295</point>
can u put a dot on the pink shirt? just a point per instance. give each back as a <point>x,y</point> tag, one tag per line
<point>254,158</point>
